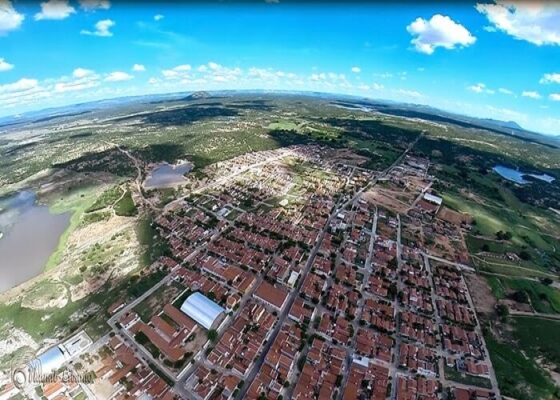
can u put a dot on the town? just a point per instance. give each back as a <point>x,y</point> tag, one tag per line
<point>294,274</point>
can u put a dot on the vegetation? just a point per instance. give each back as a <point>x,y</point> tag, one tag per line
<point>543,298</point>
<point>125,206</point>
<point>466,379</point>
<point>518,376</point>
<point>106,199</point>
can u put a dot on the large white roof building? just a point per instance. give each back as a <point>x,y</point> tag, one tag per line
<point>203,310</point>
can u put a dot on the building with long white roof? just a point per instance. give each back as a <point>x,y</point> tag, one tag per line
<point>203,310</point>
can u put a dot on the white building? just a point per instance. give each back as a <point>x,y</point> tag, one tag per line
<point>203,310</point>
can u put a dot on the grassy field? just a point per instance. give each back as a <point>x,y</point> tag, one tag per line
<point>539,337</point>
<point>76,202</point>
<point>125,207</point>
<point>106,199</point>
<point>523,224</point>
<point>518,375</point>
<point>543,298</point>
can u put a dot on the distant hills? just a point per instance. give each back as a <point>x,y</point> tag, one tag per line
<point>510,128</point>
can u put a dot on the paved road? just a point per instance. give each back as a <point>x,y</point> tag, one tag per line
<point>462,267</point>
<point>396,303</point>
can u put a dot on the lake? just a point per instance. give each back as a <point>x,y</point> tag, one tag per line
<point>166,175</point>
<point>30,234</point>
<point>514,175</point>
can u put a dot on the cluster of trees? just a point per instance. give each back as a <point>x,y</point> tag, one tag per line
<point>501,235</point>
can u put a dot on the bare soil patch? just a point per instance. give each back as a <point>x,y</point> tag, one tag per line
<point>484,300</point>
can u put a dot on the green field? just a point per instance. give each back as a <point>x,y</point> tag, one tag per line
<point>76,201</point>
<point>539,337</point>
<point>518,375</point>
<point>543,298</point>
<point>125,207</point>
<point>106,199</point>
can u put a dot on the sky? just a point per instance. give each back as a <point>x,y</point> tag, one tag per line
<point>498,60</point>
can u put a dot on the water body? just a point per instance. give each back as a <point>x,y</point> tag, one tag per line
<point>166,175</point>
<point>30,234</point>
<point>514,175</point>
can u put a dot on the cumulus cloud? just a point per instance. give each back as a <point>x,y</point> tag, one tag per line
<point>176,72</point>
<point>5,66</point>
<point>158,17</point>
<point>72,86</point>
<point>481,88</point>
<point>531,94</point>
<point>537,23</point>
<point>82,72</point>
<point>10,19</point>
<point>550,78</point>
<point>55,10</point>
<point>102,28</point>
<point>118,76</point>
<point>554,96</point>
<point>138,68</point>
<point>21,85</point>
<point>438,31</point>
<point>90,5</point>
<point>505,91</point>
<point>81,79</point>
<point>356,70</point>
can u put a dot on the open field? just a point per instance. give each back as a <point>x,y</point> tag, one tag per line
<point>544,299</point>
<point>518,375</point>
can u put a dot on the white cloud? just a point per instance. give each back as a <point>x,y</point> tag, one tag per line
<point>531,94</point>
<point>82,72</point>
<point>118,76</point>
<point>481,88</point>
<point>356,70</point>
<point>55,10</point>
<point>138,68</point>
<point>81,79</point>
<point>550,78</point>
<point>535,22</point>
<point>176,72</point>
<point>554,96</point>
<point>102,28</point>
<point>19,86</point>
<point>439,31</point>
<point>73,86</point>
<point>505,91</point>
<point>5,66</point>
<point>158,17</point>
<point>90,5</point>
<point>10,19</point>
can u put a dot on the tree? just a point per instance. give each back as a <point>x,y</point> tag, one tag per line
<point>521,296</point>
<point>502,310</point>
<point>212,335</point>
<point>547,281</point>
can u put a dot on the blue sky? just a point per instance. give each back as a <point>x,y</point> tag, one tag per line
<point>496,60</point>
